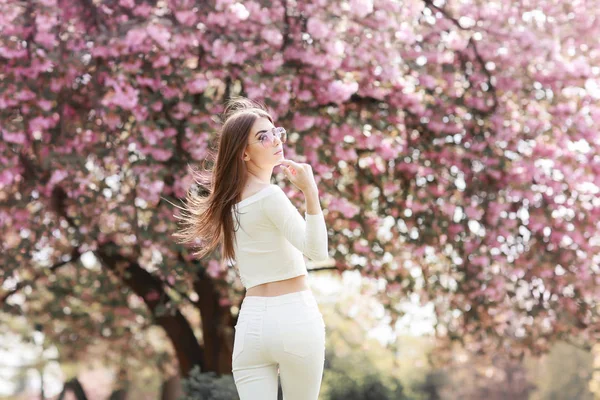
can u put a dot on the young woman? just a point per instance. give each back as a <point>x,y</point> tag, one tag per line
<point>280,329</point>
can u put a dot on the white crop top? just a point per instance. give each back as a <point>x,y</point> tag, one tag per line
<point>272,238</point>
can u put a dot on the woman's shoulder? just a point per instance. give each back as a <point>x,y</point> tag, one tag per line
<point>256,195</point>
<point>273,193</point>
<point>275,196</point>
<point>256,190</point>
<point>273,190</point>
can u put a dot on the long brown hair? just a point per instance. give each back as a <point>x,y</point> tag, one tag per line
<point>209,219</point>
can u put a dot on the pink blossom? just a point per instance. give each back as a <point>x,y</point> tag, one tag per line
<point>340,92</point>
<point>25,95</point>
<point>361,248</point>
<point>347,209</point>
<point>46,39</point>
<point>57,176</point>
<point>14,137</point>
<point>112,120</point>
<point>223,51</point>
<point>387,151</point>
<point>140,112</point>
<point>317,28</point>
<point>181,185</point>
<point>135,37</point>
<point>161,61</point>
<point>146,81</point>
<point>170,131</point>
<point>390,188</point>
<point>218,19</point>
<point>427,80</point>
<point>142,10</point>
<point>481,261</point>
<point>45,22</point>
<point>448,208</point>
<point>406,35</point>
<point>160,34</point>
<point>6,178</point>
<point>272,65</point>
<point>473,212</point>
<point>184,107</point>
<point>10,53</point>
<point>169,92</point>
<point>214,269</point>
<point>44,104</point>
<point>198,85</point>
<point>42,123</point>
<point>186,17</point>
<point>272,36</point>
<point>240,11</point>
<point>125,97</point>
<point>156,106</point>
<point>456,41</point>
<point>152,136</point>
<point>335,48</point>
<point>303,122</point>
<point>160,154</point>
<point>305,95</point>
<point>150,191</point>
<point>361,8</point>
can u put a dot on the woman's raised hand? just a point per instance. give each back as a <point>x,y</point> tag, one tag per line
<point>300,174</point>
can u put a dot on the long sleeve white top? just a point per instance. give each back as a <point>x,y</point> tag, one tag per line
<point>272,238</point>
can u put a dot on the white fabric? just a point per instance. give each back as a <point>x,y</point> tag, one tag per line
<point>272,238</point>
<point>285,334</point>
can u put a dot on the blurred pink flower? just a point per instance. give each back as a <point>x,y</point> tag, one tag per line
<point>361,8</point>
<point>317,28</point>
<point>272,36</point>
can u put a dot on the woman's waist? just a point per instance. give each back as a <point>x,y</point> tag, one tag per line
<point>260,304</point>
<point>279,287</point>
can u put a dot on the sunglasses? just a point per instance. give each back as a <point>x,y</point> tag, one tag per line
<point>266,138</point>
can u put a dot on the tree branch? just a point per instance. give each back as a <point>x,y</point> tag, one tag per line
<point>150,289</point>
<point>75,255</point>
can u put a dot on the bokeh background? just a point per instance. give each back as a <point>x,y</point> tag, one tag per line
<point>455,145</point>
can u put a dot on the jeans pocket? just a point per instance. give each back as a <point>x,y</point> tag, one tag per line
<point>239,339</point>
<point>303,337</point>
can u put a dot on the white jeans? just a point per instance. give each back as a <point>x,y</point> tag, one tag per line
<point>281,334</point>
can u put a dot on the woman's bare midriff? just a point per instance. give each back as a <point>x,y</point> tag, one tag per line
<point>277,288</point>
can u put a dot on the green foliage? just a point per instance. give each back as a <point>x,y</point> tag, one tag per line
<point>432,385</point>
<point>370,386</point>
<point>207,386</point>
<point>358,368</point>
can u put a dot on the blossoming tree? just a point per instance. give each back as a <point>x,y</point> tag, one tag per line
<point>454,144</point>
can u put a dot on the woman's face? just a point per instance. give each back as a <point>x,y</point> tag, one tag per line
<point>259,150</point>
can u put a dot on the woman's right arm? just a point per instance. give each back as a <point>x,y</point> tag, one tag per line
<point>309,234</point>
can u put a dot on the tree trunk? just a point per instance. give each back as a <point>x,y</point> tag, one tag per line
<point>119,394</point>
<point>217,326</point>
<point>171,389</point>
<point>121,388</point>
<point>74,386</point>
<point>187,349</point>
